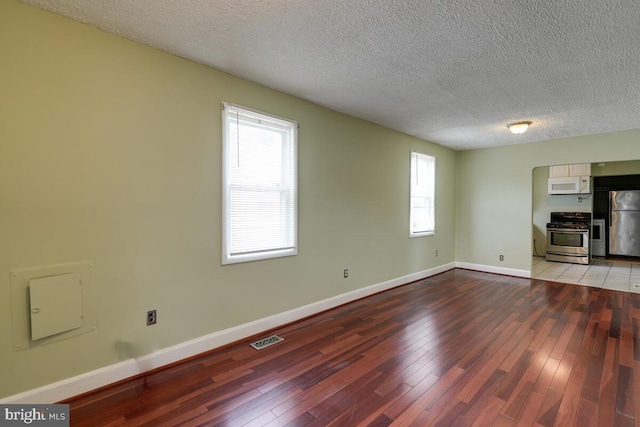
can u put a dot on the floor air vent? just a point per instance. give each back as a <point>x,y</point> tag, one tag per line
<point>266,342</point>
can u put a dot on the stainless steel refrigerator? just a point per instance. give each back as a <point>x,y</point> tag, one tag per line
<point>624,223</point>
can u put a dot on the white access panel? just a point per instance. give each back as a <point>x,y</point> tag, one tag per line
<point>21,302</point>
<point>55,304</point>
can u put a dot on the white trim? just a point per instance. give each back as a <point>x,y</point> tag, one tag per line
<point>74,386</point>
<point>412,233</point>
<point>493,269</point>
<point>422,234</point>
<point>110,374</point>
<point>289,164</point>
<point>282,121</point>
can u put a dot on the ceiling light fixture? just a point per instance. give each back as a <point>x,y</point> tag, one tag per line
<point>519,127</point>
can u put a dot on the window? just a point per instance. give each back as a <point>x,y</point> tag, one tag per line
<point>259,196</point>
<point>422,211</point>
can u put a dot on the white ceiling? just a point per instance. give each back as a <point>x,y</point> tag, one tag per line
<point>454,72</point>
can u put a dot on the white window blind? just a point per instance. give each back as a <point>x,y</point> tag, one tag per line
<point>422,210</point>
<point>259,185</point>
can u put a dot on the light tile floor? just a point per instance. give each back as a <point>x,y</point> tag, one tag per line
<point>601,273</point>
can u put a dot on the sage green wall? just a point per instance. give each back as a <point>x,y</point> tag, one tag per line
<point>110,152</point>
<point>495,192</point>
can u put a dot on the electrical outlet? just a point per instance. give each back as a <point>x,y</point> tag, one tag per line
<point>346,273</point>
<point>501,257</point>
<point>436,253</point>
<point>152,318</point>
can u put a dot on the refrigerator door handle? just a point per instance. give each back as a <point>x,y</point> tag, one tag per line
<point>610,212</point>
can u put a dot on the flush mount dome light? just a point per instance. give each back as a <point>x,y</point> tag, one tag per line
<point>519,127</point>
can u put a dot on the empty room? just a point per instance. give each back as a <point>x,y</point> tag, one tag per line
<point>358,213</point>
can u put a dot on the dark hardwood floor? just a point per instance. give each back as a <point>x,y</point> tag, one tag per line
<point>462,348</point>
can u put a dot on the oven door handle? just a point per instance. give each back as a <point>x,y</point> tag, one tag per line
<point>568,230</point>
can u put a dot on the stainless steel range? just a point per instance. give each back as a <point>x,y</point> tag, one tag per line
<point>568,237</point>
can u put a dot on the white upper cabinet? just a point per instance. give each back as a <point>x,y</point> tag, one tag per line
<point>578,169</point>
<point>558,171</point>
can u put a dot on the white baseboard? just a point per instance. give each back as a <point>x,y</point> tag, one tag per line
<point>113,373</point>
<point>493,269</point>
<point>74,386</point>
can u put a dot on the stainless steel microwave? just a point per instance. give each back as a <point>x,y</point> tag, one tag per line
<point>570,185</point>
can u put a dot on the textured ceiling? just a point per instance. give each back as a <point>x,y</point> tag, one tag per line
<point>454,72</point>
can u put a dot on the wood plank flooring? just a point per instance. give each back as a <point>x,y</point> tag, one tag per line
<point>462,348</point>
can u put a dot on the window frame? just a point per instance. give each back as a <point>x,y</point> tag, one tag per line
<point>227,256</point>
<point>412,233</point>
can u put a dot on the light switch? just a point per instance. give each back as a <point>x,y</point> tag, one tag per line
<point>55,304</point>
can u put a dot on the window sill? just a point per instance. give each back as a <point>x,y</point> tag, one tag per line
<point>423,234</point>
<point>236,259</point>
